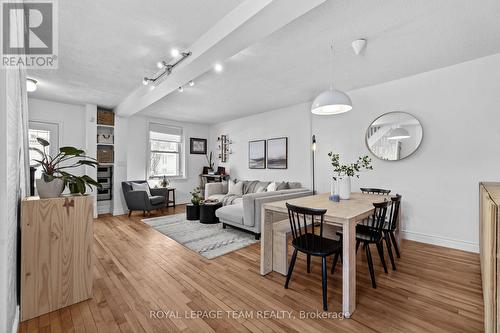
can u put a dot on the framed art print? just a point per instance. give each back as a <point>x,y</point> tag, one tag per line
<point>277,153</point>
<point>257,154</point>
<point>198,146</point>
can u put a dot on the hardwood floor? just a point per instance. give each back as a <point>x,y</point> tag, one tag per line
<point>139,270</point>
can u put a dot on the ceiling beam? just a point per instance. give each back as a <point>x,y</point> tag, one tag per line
<point>248,23</point>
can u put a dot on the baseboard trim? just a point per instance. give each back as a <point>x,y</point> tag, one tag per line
<point>440,241</point>
<point>15,324</point>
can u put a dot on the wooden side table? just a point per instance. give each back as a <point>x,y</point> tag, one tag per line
<point>170,202</point>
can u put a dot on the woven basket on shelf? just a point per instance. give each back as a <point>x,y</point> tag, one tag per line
<point>105,117</point>
<point>105,155</point>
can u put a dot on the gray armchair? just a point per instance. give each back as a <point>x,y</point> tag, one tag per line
<point>140,200</point>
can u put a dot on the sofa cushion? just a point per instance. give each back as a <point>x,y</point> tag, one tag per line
<point>141,187</point>
<point>271,187</point>
<point>156,199</point>
<point>235,188</point>
<point>282,186</point>
<point>217,197</point>
<point>231,213</point>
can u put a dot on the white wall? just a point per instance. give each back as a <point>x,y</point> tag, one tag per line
<point>458,108</point>
<point>71,118</point>
<point>132,151</point>
<point>293,122</point>
<point>13,169</point>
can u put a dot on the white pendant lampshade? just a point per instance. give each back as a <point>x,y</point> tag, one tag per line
<point>331,102</point>
<point>31,84</point>
<point>398,134</point>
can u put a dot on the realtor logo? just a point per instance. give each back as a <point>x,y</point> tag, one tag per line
<point>29,34</point>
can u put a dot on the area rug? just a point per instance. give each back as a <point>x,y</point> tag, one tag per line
<point>209,240</point>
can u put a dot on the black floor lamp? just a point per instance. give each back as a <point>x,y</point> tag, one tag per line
<point>313,151</point>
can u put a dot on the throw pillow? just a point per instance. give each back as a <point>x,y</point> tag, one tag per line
<point>271,187</point>
<point>141,187</point>
<point>235,188</point>
<point>282,186</point>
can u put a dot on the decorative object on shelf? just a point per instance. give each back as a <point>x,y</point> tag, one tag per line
<point>221,171</point>
<point>210,162</point>
<point>198,146</point>
<point>331,101</point>
<point>223,147</point>
<point>166,67</point>
<point>195,196</point>
<point>394,136</point>
<point>164,182</point>
<point>106,138</point>
<point>277,153</point>
<point>257,154</point>
<point>341,183</point>
<point>105,117</point>
<point>54,177</point>
<point>105,154</point>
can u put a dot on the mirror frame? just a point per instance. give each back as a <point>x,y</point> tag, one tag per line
<point>390,112</point>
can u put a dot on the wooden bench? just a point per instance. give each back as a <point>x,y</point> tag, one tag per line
<point>281,231</point>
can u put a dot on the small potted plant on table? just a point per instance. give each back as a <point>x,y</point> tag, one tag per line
<point>341,181</point>
<point>193,209</point>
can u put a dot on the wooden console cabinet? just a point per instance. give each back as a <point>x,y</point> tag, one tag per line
<point>56,253</point>
<point>489,244</point>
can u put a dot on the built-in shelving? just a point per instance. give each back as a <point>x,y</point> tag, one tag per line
<point>105,157</point>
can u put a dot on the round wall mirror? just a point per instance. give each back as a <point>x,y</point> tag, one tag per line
<point>394,136</point>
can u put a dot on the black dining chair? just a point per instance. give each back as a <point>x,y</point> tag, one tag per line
<point>390,227</point>
<point>374,190</point>
<point>372,233</point>
<point>303,223</point>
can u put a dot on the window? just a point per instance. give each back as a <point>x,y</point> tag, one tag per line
<point>47,131</point>
<point>165,151</point>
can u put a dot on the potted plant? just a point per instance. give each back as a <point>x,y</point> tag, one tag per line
<point>54,174</point>
<point>210,163</point>
<point>195,196</point>
<point>164,182</point>
<point>341,181</point>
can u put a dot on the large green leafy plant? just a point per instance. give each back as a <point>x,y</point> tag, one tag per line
<point>350,170</point>
<point>68,157</point>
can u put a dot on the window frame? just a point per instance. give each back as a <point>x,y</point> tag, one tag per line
<point>181,171</point>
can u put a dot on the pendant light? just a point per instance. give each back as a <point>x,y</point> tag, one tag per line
<point>331,101</point>
<point>398,133</point>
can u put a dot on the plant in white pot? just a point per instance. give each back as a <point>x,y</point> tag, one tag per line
<point>341,183</point>
<point>54,174</point>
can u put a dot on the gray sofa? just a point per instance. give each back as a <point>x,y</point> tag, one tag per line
<point>245,212</point>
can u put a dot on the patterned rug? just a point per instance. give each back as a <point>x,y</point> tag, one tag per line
<point>209,240</point>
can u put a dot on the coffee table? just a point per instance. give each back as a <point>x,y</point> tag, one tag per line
<point>207,212</point>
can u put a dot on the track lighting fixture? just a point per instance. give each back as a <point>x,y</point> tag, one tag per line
<point>218,67</point>
<point>191,83</point>
<point>165,67</point>
<point>174,53</point>
<point>181,89</point>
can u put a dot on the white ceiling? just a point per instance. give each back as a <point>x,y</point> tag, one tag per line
<point>291,66</point>
<point>107,47</point>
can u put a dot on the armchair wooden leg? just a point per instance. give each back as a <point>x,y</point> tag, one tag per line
<point>129,213</point>
<point>144,213</point>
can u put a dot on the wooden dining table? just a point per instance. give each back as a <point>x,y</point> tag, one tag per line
<point>345,214</point>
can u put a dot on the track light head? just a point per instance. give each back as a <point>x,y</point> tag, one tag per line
<point>145,81</point>
<point>181,89</point>
<point>191,83</point>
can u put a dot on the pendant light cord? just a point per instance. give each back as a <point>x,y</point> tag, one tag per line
<point>331,66</point>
